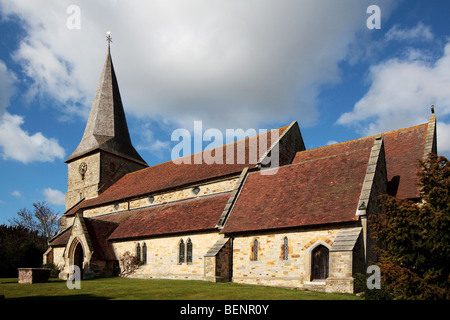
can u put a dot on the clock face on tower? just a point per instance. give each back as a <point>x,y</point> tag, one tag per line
<point>82,169</point>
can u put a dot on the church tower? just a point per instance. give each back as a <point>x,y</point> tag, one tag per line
<point>105,152</point>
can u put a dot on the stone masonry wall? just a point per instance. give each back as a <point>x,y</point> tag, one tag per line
<point>162,256</point>
<point>270,268</point>
<point>77,187</point>
<point>103,169</point>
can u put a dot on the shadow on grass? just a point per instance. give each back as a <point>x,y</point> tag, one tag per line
<point>62,297</point>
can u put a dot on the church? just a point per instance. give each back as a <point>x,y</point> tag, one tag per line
<point>301,224</point>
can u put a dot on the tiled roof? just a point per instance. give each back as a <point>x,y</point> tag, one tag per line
<point>323,185</point>
<point>403,149</point>
<point>169,175</point>
<point>199,214</point>
<point>319,188</point>
<point>98,233</point>
<point>61,238</point>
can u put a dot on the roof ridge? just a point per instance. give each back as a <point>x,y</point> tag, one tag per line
<point>193,154</point>
<point>367,137</point>
<point>334,155</point>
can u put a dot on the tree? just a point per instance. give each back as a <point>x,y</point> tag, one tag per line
<point>18,249</point>
<point>42,220</point>
<point>414,237</point>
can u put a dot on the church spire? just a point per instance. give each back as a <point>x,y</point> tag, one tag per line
<point>107,128</point>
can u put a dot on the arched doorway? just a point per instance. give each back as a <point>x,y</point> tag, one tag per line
<point>320,263</point>
<point>78,257</point>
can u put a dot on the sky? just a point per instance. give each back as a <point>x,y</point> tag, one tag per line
<point>342,69</point>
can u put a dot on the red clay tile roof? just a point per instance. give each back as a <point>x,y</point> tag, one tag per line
<point>169,175</point>
<point>99,231</point>
<point>60,240</point>
<point>334,149</point>
<point>403,148</point>
<point>309,192</point>
<point>198,214</point>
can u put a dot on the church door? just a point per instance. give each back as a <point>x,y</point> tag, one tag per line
<point>78,257</point>
<point>320,263</point>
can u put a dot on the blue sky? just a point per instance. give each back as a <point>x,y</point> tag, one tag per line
<point>231,64</point>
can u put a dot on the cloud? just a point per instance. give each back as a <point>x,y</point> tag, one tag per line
<point>401,93</point>
<point>18,144</point>
<point>16,193</point>
<point>15,142</point>
<point>229,63</point>
<point>54,196</point>
<point>330,142</point>
<point>420,32</point>
<point>443,139</point>
<point>7,81</point>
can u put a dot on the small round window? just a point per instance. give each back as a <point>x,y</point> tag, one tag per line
<point>151,199</point>
<point>116,206</point>
<point>196,190</point>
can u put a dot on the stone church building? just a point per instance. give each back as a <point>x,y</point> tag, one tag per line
<point>304,225</point>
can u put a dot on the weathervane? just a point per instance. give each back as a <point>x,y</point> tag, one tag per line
<point>108,37</point>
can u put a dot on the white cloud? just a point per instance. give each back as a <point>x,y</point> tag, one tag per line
<point>16,193</point>
<point>420,32</point>
<point>7,80</point>
<point>400,95</point>
<point>15,142</point>
<point>228,63</point>
<point>18,144</point>
<point>54,196</point>
<point>443,139</point>
<point>329,143</point>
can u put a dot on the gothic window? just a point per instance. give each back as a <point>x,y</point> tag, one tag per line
<point>181,252</point>
<point>144,253</point>
<point>138,252</point>
<point>285,248</point>
<point>189,251</point>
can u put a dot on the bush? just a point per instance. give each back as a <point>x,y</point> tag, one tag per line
<point>54,270</point>
<point>360,286</point>
<point>129,264</point>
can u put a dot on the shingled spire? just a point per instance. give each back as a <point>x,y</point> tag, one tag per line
<point>107,128</point>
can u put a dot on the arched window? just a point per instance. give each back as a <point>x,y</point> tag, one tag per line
<point>320,264</point>
<point>255,250</point>
<point>138,252</point>
<point>285,248</point>
<point>181,252</point>
<point>144,253</point>
<point>189,251</point>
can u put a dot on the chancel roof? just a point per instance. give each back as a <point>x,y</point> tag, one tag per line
<point>323,185</point>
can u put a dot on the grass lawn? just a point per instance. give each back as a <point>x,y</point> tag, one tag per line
<point>140,289</point>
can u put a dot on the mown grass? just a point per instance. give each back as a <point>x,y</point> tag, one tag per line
<point>140,289</point>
